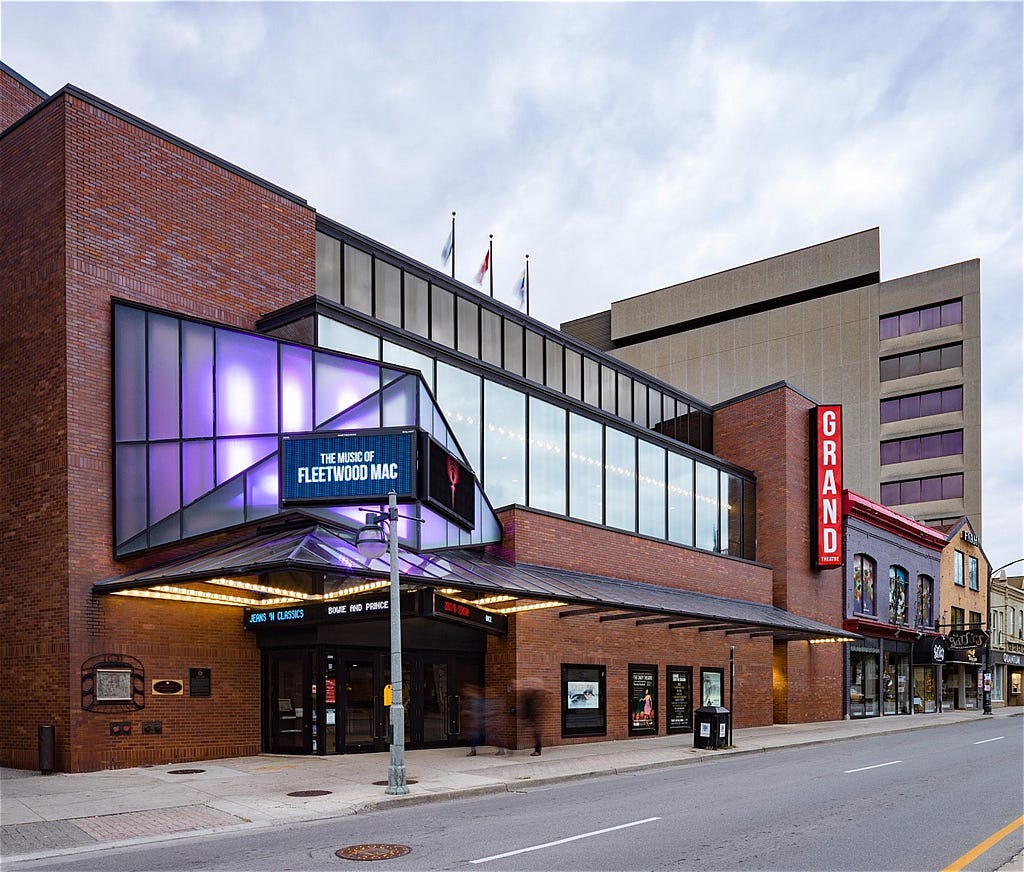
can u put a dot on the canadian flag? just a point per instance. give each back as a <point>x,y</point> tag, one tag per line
<point>484,266</point>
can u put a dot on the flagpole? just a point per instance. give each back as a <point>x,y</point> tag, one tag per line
<point>453,245</point>
<point>490,260</point>
<point>527,289</point>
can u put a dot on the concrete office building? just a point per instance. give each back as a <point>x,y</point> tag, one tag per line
<point>902,357</point>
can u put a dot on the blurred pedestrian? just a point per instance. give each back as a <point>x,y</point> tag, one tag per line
<point>496,720</point>
<point>533,704</point>
<point>474,710</point>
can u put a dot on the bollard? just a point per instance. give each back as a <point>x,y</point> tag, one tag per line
<point>46,743</point>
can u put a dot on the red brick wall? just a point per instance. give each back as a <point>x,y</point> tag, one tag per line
<point>15,100</point>
<point>154,223</point>
<point>769,434</point>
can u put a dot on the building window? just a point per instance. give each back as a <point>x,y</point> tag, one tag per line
<point>921,405</point>
<point>863,584</point>
<point>898,584</point>
<point>949,444</point>
<point>974,619</point>
<point>972,573</point>
<point>920,362</point>
<point>945,314</point>
<point>925,593</point>
<point>956,618</point>
<point>958,568</point>
<point>922,490</point>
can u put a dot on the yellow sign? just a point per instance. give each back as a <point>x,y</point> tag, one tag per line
<point>387,694</point>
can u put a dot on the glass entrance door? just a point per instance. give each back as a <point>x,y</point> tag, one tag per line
<point>290,716</point>
<point>362,702</point>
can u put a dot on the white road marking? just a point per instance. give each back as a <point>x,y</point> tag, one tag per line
<point>876,766</point>
<point>563,841</point>
<point>996,739</point>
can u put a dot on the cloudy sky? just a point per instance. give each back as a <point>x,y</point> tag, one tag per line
<point>624,146</point>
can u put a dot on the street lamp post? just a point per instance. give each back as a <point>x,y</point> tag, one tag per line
<point>986,693</point>
<point>371,544</point>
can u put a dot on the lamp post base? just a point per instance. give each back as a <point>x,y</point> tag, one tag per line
<point>396,766</point>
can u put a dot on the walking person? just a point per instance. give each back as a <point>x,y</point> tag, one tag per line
<point>533,703</point>
<point>475,717</point>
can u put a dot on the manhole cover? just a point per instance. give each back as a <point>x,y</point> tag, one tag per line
<point>309,793</point>
<point>372,852</point>
<point>184,771</point>
<point>385,783</point>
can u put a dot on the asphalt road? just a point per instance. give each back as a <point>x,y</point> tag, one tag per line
<point>908,801</point>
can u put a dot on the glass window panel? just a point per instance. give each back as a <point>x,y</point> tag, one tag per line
<point>930,404</point>
<point>547,457</point>
<point>889,411</point>
<point>236,455</point>
<point>931,360</point>
<point>620,479</point>
<point>651,490</point>
<point>889,493</point>
<point>340,383</point>
<point>951,356</point>
<point>654,407</point>
<point>504,466</point>
<point>400,403</point>
<point>889,453</point>
<point>707,432</point>
<point>952,487</point>
<point>674,419</point>
<point>749,520</point>
<point>246,384</point>
<point>164,480</point>
<point>296,389</point>
<point>591,382</point>
<point>910,491</point>
<point>930,318</point>
<point>952,313</point>
<point>167,530</point>
<point>930,488</point>
<point>624,402</point>
<point>196,469</point>
<point>889,327</point>
<point>416,306</point>
<point>732,496</point>
<point>573,374</point>
<point>609,378</point>
<point>490,336</point>
<point>707,515</point>
<point>197,380</point>
<point>469,327</point>
<point>131,491</point>
<point>328,267</point>
<point>225,507</point>
<point>362,415</point>
<point>953,443</point>
<point>931,446</point>
<point>910,364</point>
<point>910,322</point>
<point>358,280</point>
<point>442,316</point>
<point>336,336</point>
<point>680,499</point>
<point>513,347</point>
<point>586,462</point>
<point>972,572</point>
<point>888,368</point>
<point>388,293</point>
<point>458,395</point>
<point>953,400</point>
<point>553,365</point>
<point>129,375</point>
<point>164,368</point>
<point>403,356</point>
<point>639,403</point>
<point>261,490</point>
<point>535,357</point>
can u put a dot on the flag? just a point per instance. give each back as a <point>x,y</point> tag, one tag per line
<point>484,266</point>
<point>521,287</point>
<point>446,252</point>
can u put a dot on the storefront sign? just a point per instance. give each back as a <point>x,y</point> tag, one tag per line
<point>1011,659</point>
<point>969,537</point>
<point>438,606</point>
<point>827,486</point>
<point>679,692</point>
<point>369,607</point>
<point>346,467</point>
<point>966,639</point>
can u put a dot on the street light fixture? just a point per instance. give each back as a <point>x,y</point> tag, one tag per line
<point>371,544</point>
<point>986,693</point>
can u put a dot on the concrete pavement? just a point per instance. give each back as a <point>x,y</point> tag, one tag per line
<point>45,816</point>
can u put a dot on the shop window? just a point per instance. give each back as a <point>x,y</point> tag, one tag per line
<point>584,700</point>
<point>863,584</point>
<point>898,582</point>
<point>863,683</point>
<point>113,683</point>
<point>972,572</point>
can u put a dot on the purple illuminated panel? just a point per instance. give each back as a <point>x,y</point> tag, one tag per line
<point>197,469</point>
<point>236,455</point>
<point>163,377</point>
<point>131,491</point>
<point>164,480</point>
<point>296,389</point>
<point>340,383</point>
<point>262,489</point>
<point>196,380</point>
<point>246,384</point>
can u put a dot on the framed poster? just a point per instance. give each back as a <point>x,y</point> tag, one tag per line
<point>679,699</point>
<point>643,699</point>
<point>711,686</point>
<point>584,707</point>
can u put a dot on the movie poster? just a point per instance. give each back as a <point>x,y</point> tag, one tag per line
<point>643,698</point>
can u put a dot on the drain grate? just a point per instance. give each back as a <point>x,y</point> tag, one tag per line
<point>385,783</point>
<point>184,771</point>
<point>372,852</point>
<point>310,793</point>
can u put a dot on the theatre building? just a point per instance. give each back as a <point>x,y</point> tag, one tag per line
<point>207,387</point>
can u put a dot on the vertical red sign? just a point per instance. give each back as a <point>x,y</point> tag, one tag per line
<point>827,486</point>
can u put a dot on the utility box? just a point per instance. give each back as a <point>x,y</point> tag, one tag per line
<point>711,727</point>
<point>46,748</point>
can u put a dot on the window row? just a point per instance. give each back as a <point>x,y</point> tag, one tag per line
<point>355,278</point>
<point>917,320</point>
<point>920,362</point>
<point>949,444</point>
<point>530,452</point>
<point>865,594</point>
<point>1007,624</point>
<point>922,490</point>
<point>921,405</point>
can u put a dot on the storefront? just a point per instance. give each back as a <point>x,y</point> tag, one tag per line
<point>962,670</point>
<point>891,677</point>
<point>1011,667</point>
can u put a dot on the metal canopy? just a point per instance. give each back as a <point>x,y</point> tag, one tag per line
<point>317,551</point>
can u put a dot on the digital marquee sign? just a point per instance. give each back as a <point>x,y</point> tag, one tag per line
<point>450,486</point>
<point>826,486</point>
<point>438,606</point>
<point>346,467</point>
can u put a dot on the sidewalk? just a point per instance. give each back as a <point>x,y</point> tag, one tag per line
<point>45,816</point>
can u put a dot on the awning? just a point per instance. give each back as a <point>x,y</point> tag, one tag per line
<point>316,562</point>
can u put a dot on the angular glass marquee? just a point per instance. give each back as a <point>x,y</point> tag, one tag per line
<point>198,415</point>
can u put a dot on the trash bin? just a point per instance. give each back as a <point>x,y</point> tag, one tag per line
<point>46,746</point>
<point>711,727</point>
